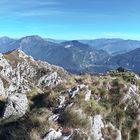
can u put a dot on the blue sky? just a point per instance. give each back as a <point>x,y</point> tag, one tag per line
<point>70,19</point>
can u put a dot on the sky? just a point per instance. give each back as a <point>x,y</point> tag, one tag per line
<point>70,19</point>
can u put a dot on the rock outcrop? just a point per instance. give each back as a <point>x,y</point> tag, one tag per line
<point>19,73</point>
<point>2,90</point>
<point>14,107</point>
<point>97,127</point>
<point>53,134</point>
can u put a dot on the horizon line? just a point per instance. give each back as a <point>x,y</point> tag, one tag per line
<point>43,37</point>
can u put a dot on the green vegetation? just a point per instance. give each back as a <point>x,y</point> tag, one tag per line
<point>126,76</point>
<point>92,108</point>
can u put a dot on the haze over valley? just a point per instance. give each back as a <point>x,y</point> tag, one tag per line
<point>78,56</point>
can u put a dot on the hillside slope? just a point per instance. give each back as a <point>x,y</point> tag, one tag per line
<point>39,101</point>
<point>130,60</point>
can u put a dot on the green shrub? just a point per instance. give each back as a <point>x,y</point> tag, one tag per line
<point>134,134</point>
<point>103,92</point>
<point>104,101</point>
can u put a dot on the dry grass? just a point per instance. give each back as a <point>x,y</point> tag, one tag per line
<point>92,108</point>
<point>40,120</point>
<point>70,118</point>
<point>34,135</point>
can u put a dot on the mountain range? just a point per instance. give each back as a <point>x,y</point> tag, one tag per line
<point>76,56</point>
<point>113,46</point>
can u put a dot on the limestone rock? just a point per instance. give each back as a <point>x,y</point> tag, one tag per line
<point>61,100</point>
<point>97,127</point>
<point>48,80</point>
<point>5,67</point>
<point>2,90</point>
<point>73,91</point>
<point>88,95</point>
<point>53,134</point>
<point>15,107</point>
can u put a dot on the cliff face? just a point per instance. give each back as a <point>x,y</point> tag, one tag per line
<point>39,101</point>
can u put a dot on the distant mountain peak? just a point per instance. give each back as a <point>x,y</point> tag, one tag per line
<point>75,43</point>
<point>33,37</point>
<point>5,37</point>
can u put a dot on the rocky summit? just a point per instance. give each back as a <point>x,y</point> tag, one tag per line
<point>39,101</point>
